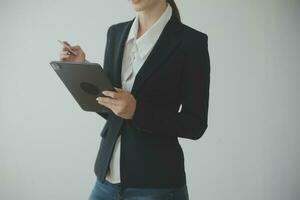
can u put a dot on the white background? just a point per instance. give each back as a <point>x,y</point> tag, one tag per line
<point>250,150</point>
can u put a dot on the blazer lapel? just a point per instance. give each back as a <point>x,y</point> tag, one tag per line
<point>119,52</point>
<point>165,45</point>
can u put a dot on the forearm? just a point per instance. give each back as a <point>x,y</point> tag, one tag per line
<point>156,120</point>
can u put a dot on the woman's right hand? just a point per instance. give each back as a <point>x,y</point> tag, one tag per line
<point>65,55</point>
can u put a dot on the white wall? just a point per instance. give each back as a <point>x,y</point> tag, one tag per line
<point>250,150</point>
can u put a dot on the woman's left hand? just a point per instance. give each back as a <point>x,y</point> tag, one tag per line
<point>121,102</point>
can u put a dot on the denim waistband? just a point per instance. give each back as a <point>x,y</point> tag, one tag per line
<point>117,186</point>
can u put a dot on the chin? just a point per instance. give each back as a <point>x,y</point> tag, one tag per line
<point>138,8</point>
<point>139,5</point>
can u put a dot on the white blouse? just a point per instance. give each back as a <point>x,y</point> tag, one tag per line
<point>135,53</point>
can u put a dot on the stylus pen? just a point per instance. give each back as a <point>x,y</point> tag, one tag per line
<point>68,47</point>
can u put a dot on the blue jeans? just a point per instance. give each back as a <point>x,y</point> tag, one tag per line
<point>112,191</point>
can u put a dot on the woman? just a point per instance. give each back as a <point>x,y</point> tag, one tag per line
<point>157,65</point>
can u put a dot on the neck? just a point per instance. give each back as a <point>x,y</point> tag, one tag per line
<point>148,16</point>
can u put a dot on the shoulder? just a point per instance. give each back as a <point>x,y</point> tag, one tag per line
<point>193,40</point>
<point>193,36</point>
<point>117,27</point>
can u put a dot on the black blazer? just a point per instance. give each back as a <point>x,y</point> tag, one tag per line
<point>176,72</point>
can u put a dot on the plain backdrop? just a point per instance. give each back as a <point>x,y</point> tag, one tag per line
<point>250,150</point>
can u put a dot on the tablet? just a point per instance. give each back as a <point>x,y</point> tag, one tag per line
<point>85,82</point>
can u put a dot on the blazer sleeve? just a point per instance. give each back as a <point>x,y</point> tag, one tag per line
<point>191,121</point>
<point>105,63</point>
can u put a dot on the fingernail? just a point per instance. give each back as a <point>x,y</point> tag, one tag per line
<point>103,92</point>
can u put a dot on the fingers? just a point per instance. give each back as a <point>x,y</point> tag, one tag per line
<point>112,94</point>
<point>108,100</point>
<point>65,55</point>
<point>75,48</point>
<point>68,51</point>
<point>65,49</point>
<point>110,106</point>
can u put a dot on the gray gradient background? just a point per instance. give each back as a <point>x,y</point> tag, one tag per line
<point>250,150</point>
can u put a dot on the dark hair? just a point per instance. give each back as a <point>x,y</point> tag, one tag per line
<point>174,8</point>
